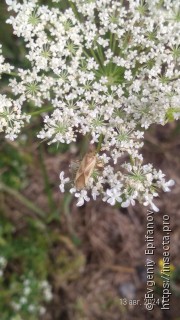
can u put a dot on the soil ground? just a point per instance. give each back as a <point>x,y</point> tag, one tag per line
<point>108,261</point>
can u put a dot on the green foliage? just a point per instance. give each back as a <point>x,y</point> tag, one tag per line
<point>13,165</point>
<point>170,114</point>
<point>27,265</point>
<point>59,148</point>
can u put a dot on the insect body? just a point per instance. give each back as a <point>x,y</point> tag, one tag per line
<point>85,170</point>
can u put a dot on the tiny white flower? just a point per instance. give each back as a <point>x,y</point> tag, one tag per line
<point>27,291</point>
<point>3,262</point>
<point>82,197</point>
<point>48,294</point>
<point>42,310</point>
<point>126,203</point>
<point>63,181</point>
<point>23,300</point>
<point>149,202</point>
<point>16,306</point>
<point>168,184</point>
<point>112,195</point>
<point>31,308</point>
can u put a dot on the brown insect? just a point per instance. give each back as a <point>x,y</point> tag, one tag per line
<point>88,164</point>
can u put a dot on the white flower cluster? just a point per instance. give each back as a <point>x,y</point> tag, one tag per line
<point>133,182</point>
<point>11,116</point>
<point>25,301</point>
<point>109,69</point>
<point>46,289</point>
<point>4,67</point>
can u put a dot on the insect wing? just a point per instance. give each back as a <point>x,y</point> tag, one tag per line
<point>85,170</point>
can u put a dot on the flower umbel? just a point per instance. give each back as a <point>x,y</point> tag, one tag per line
<point>109,69</point>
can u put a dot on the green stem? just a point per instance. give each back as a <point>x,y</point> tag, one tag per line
<point>48,188</point>
<point>86,54</point>
<point>99,143</point>
<point>173,79</point>
<point>94,55</point>
<point>22,199</point>
<point>84,144</point>
<point>66,203</point>
<point>131,160</point>
<point>46,109</point>
<point>100,53</point>
<point>99,62</point>
<point>13,74</point>
<point>114,44</point>
<point>111,40</point>
<point>74,9</point>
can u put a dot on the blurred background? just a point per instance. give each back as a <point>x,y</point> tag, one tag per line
<point>60,262</point>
